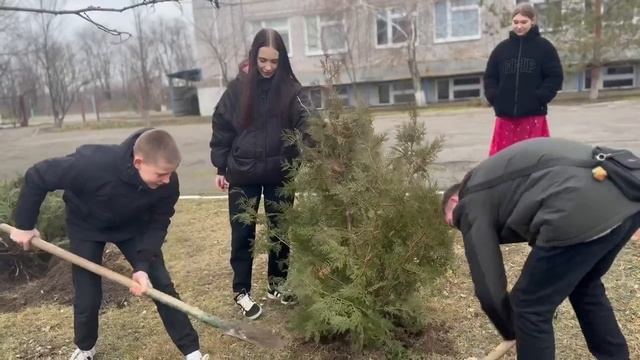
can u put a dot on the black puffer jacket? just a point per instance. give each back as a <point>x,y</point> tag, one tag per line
<point>105,198</point>
<point>255,154</point>
<point>523,75</point>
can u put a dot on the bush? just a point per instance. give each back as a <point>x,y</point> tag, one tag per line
<point>14,261</point>
<point>367,232</point>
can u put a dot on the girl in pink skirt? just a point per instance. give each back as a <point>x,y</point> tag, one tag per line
<point>523,75</point>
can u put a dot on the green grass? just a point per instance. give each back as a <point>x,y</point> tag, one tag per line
<point>197,255</point>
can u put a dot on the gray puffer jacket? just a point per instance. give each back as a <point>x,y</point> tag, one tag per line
<point>557,206</point>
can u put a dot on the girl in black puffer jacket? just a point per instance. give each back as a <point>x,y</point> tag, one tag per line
<point>248,150</point>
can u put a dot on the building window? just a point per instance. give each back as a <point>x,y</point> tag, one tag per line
<point>393,27</point>
<point>324,35</point>
<point>459,88</point>
<point>279,25</point>
<point>619,76</point>
<point>316,95</point>
<point>457,20</point>
<point>400,92</point>
<point>342,92</point>
<point>549,13</point>
<point>319,95</point>
<point>443,89</point>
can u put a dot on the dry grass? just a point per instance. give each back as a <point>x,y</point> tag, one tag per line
<point>197,257</point>
<point>132,122</point>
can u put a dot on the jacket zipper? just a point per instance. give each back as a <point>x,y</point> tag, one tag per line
<point>515,102</point>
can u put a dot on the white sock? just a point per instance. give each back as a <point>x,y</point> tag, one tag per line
<point>196,355</point>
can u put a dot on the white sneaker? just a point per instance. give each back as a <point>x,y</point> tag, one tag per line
<point>197,355</point>
<point>285,296</point>
<point>250,309</point>
<point>83,354</point>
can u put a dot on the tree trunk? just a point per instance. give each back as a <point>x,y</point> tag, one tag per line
<point>24,117</point>
<point>82,110</point>
<point>594,91</point>
<point>96,107</point>
<point>413,62</point>
<point>597,53</point>
<point>417,87</point>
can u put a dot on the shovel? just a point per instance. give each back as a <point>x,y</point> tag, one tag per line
<point>253,335</point>
<point>501,350</point>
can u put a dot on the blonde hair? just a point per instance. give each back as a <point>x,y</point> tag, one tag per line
<point>525,9</point>
<point>155,145</point>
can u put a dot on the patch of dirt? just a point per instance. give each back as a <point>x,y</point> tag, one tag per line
<point>434,339</point>
<point>56,286</point>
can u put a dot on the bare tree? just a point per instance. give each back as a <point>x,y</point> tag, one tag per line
<point>411,46</point>
<point>172,50</point>
<point>404,35</point>
<point>140,53</point>
<point>339,36</point>
<point>96,52</point>
<point>57,62</point>
<point>19,77</point>
<point>85,13</point>
<point>221,48</point>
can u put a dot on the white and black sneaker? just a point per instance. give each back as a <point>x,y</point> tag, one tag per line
<point>285,296</point>
<point>83,354</point>
<point>250,309</point>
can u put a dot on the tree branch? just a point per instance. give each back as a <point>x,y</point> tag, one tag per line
<point>87,9</point>
<point>84,12</point>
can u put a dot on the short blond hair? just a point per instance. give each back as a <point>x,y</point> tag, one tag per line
<point>525,9</point>
<point>157,145</point>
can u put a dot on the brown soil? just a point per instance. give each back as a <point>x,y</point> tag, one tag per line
<point>433,340</point>
<point>56,286</point>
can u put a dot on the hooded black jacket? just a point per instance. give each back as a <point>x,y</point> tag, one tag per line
<point>523,75</point>
<point>256,154</point>
<point>105,198</point>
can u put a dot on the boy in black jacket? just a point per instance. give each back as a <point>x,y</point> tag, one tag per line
<point>124,194</point>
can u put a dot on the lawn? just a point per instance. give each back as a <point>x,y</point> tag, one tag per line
<point>36,319</point>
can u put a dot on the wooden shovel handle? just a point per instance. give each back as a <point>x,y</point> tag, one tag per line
<point>500,350</point>
<point>120,279</point>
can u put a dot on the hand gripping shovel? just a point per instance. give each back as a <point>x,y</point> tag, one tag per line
<point>253,335</point>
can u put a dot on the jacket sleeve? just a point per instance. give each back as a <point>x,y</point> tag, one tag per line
<point>157,226</point>
<point>552,76</point>
<point>482,249</point>
<point>491,77</point>
<point>301,111</point>
<point>223,132</point>
<point>45,176</point>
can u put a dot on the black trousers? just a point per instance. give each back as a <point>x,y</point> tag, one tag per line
<point>550,275</point>
<point>88,297</point>
<point>243,235</point>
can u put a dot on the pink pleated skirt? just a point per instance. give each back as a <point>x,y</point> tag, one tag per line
<point>508,131</point>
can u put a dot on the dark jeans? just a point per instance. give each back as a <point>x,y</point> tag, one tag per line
<point>550,275</point>
<point>243,235</point>
<point>88,297</point>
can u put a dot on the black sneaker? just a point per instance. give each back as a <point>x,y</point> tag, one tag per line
<point>285,296</point>
<point>250,309</point>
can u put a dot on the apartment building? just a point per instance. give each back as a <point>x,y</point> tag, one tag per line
<point>371,38</point>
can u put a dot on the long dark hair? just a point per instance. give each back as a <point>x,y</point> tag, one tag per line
<point>282,82</point>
